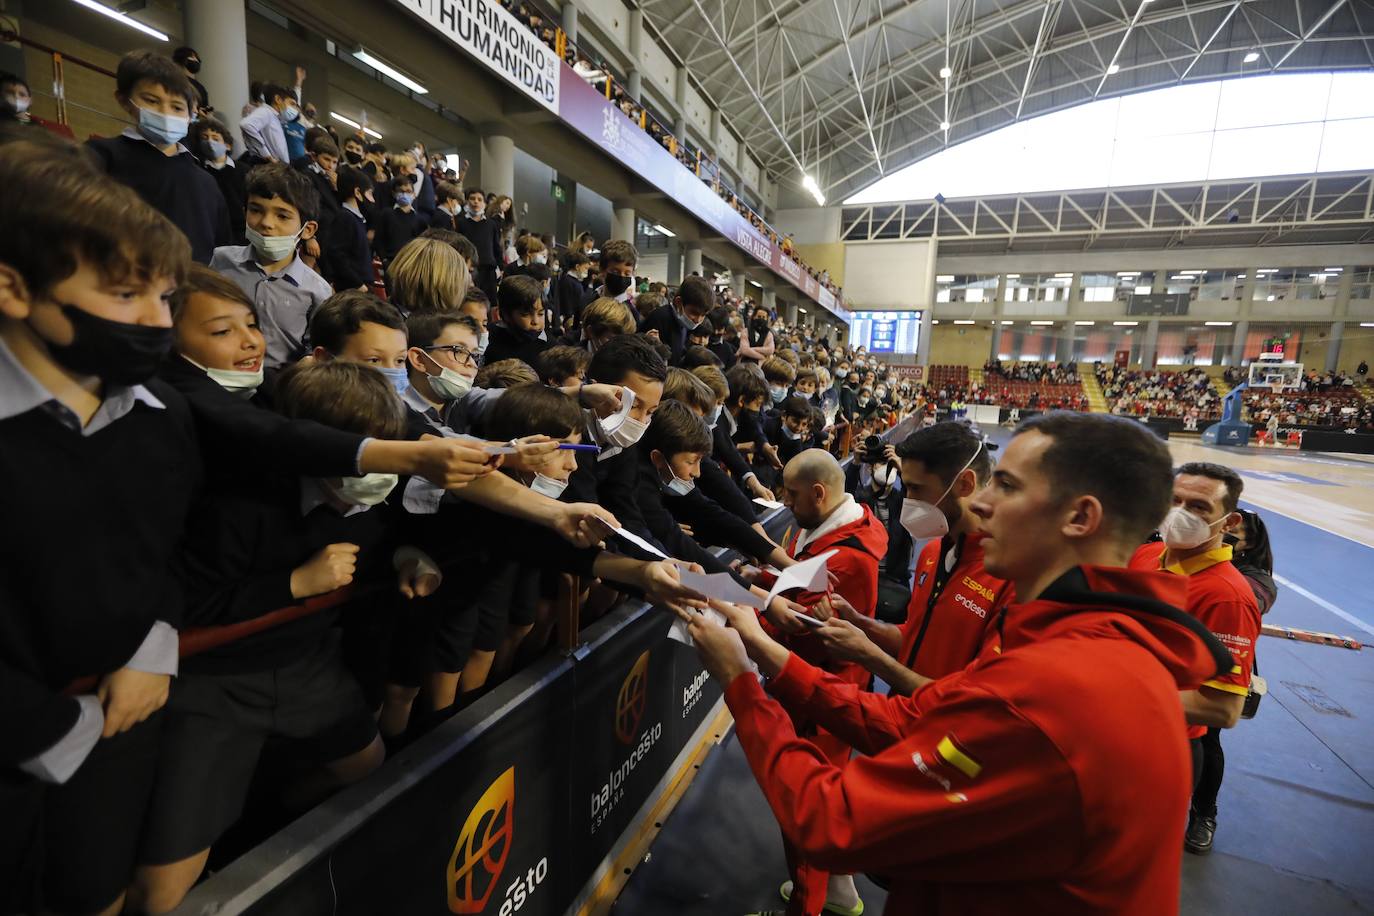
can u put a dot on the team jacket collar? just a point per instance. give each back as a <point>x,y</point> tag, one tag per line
<point>1142,605</point>
<point>1198,563</point>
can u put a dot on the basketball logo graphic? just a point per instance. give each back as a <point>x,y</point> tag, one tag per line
<point>629,705</point>
<point>483,847</point>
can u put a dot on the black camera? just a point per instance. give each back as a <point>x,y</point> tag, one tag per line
<point>873,450</point>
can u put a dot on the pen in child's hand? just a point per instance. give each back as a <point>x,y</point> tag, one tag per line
<point>571,447</point>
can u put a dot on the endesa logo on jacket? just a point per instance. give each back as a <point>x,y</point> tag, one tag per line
<point>629,704</point>
<point>480,855</point>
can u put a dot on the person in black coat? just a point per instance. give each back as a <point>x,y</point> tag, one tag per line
<point>573,294</point>
<point>448,207</point>
<point>350,254</point>
<point>209,141</point>
<point>485,235</point>
<point>320,165</point>
<point>520,304</point>
<point>400,223</point>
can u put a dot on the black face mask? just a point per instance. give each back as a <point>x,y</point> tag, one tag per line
<point>193,66</point>
<point>113,351</point>
<point>760,325</point>
<point>616,284</point>
<point>352,157</point>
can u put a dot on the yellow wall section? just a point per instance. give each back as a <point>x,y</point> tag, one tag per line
<point>826,256</point>
<point>91,108</point>
<point>961,345</point>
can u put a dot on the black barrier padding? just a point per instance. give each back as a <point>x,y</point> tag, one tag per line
<point>1354,443</point>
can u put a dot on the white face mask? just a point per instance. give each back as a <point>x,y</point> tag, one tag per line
<point>368,490</point>
<point>1182,530</point>
<point>272,248</point>
<point>548,486</point>
<point>236,381</point>
<point>677,484</point>
<point>714,416</point>
<point>449,384</point>
<point>541,258</point>
<point>924,520</point>
<point>627,433</point>
<point>482,342</point>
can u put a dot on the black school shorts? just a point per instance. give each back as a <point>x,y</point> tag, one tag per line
<point>215,731</point>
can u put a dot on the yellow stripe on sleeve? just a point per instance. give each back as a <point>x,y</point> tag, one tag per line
<point>957,758</point>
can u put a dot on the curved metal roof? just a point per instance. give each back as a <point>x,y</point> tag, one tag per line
<point>851,90</point>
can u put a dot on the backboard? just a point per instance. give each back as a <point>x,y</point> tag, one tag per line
<point>1275,376</point>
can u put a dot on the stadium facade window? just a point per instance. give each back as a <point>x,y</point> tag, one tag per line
<point>1275,124</point>
<point>1287,283</point>
<point>965,288</point>
<point>1038,287</point>
<point>1362,283</point>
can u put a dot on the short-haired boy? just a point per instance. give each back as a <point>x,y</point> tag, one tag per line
<point>281,211</point>
<point>210,142</point>
<point>401,222</point>
<point>105,466</point>
<point>520,335</point>
<point>562,365</point>
<point>150,158</point>
<point>618,261</point>
<point>352,254</point>
<point>249,550</point>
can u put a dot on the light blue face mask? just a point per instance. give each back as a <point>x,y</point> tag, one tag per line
<point>162,129</point>
<point>779,395</point>
<point>405,200</point>
<point>714,416</point>
<point>290,114</point>
<point>398,378</point>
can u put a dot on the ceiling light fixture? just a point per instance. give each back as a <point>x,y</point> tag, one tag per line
<point>664,230</point>
<point>1008,322</point>
<point>120,17</point>
<point>1013,276</point>
<point>1251,57</point>
<point>946,73</point>
<point>1218,324</point>
<point>944,278</point>
<point>1084,324</point>
<point>354,124</point>
<point>757,283</point>
<point>944,125</point>
<point>964,321</point>
<point>383,67</point>
<point>1062,276</point>
<point>1128,273</point>
<point>810,185</point>
<point>1125,324</point>
<point>1043,324</point>
<point>1113,69</point>
<point>802,310</point>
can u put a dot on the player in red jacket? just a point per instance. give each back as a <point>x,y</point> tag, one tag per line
<point>954,599</point>
<point>828,519</point>
<point>1042,779</point>
<point>1205,501</point>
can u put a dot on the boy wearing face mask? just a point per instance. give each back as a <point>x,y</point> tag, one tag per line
<point>779,375</point>
<point>210,142</point>
<point>485,235</point>
<point>400,223</point>
<point>269,544</point>
<point>86,271</point>
<point>693,301</point>
<point>352,255</point>
<point>790,429</point>
<point>281,211</point>
<point>264,137</point>
<point>573,294</point>
<point>757,344</point>
<point>1206,497</point>
<point>442,361</point>
<point>618,260</point>
<point>955,601</point>
<point>150,157</point>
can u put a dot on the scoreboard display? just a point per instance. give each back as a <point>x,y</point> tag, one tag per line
<point>885,332</point>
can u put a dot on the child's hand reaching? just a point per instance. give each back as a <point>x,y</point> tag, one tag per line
<point>333,567</point>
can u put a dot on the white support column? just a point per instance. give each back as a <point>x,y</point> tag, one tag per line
<point>219,33</point>
<point>623,221</point>
<point>1333,346</point>
<point>633,47</point>
<point>769,300</point>
<point>691,259</point>
<point>1238,341</point>
<point>927,313</point>
<point>737,284</point>
<point>570,20</point>
<point>1147,349</point>
<point>498,160</point>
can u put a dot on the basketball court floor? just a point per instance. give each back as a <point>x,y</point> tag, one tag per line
<point>1295,831</point>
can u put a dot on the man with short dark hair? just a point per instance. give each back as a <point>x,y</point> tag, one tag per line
<point>999,787</point>
<point>1205,501</point>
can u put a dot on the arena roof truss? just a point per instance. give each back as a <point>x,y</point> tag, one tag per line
<point>851,90</point>
<point>1331,207</point>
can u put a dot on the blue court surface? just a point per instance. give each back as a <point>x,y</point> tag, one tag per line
<point>1295,831</point>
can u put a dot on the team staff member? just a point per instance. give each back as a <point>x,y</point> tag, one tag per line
<point>1000,788</point>
<point>828,519</point>
<point>955,600</point>
<point>1205,500</point>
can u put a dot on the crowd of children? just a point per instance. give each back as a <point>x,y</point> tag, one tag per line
<point>269,503</point>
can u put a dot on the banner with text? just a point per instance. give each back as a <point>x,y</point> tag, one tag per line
<point>498,40</point>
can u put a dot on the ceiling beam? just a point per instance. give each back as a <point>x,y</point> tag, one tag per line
<point>1310,31</point>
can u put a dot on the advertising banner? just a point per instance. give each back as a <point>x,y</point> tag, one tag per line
<point>483,833</point>
<point>695,692</point>
<point>599,120</point>
<point>627,707</point>
<point>498,41</point>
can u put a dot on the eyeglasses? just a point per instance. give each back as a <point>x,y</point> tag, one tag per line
<point>462,354</point>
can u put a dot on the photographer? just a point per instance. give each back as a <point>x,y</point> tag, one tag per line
<point>875,479</point>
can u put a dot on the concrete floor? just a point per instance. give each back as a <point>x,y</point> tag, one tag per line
<point>1296,822</point>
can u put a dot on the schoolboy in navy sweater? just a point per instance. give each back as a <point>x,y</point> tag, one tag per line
<point>151,159</point>
<point>109,465</point>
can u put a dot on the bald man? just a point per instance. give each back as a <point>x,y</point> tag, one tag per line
<point>828,518</point>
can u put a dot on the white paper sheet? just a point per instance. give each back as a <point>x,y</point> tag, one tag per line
<point>809,575</point>
<point>639,542</point>
<point>679,632</point>
<point>720,585</point>
<point>500,449</point>
<point>768,503</point>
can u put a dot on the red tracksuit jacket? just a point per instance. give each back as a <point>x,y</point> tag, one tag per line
<point>860,546</point>
<point>1052,777</point>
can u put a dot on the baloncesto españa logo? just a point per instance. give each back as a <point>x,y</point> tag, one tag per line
<point>479,857</point>
<point>630,704</point>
